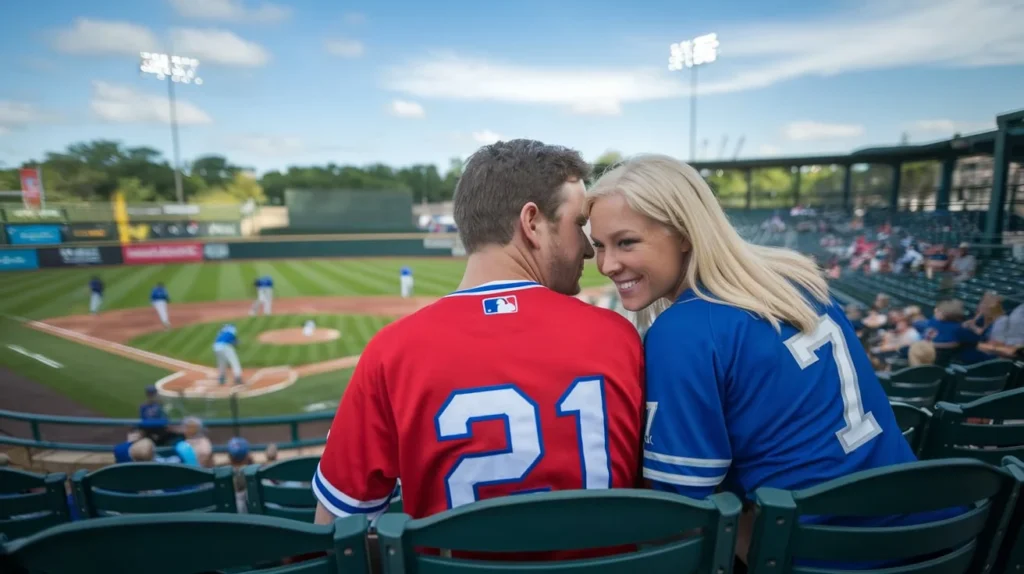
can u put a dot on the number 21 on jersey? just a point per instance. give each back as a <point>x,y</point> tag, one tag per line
<point>583,399</point>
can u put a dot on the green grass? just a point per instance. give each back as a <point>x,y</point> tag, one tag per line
<point>194,343</point>
<point>112,385</point>
<point>58,292</point>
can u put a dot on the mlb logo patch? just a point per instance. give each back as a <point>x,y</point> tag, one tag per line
<point>500,305</point>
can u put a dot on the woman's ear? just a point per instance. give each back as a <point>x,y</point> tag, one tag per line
<point>684,245</point>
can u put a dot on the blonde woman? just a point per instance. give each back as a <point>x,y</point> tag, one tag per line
<point>754,374</point>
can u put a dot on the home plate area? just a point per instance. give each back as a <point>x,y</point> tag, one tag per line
<point>204,384</point>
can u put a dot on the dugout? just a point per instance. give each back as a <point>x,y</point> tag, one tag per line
<point>348,211</point>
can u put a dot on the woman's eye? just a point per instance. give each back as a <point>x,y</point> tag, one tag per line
<point>627,242</point>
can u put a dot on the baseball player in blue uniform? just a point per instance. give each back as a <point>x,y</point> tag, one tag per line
<point>159,298</point>
<point>224,349</point>
<point>264,295</point>
<point>405,281</point>
<point>96,294</point>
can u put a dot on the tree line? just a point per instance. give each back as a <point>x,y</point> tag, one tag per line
<point>94,171</point>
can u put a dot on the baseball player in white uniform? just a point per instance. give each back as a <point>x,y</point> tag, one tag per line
<point>264,295</point>
<point>95,294</point>
<point>159,298</point>
<point>405,281</point>
<point>224,349</point>
<point>308,328</point>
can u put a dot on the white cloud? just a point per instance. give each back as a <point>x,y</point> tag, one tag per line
<point>875,35</point>
<point>123,104</point>
<point>355,18</point>
<point>404,109</point>
<point>768,150</point>
<point>88,36</point>
<point>344,48</point>
<point>230,10</point>
<point>14,113</point>
<point>947,126</point>
<point>486,137</point>
<point>219,47</point>
<point>813,131</point>
<point>581,90</point>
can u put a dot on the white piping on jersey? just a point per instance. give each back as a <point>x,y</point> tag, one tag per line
<point>346,498</point>
<point>723,303</point>
<point>686,461</point>
<point>683,480</point>
<point>493,287</point>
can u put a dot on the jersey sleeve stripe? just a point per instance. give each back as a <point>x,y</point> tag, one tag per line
<point>340,504</point>
<point>683,480</point>
<point>687,461</point>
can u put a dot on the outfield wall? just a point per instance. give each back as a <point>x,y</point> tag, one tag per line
<point>22,257</point>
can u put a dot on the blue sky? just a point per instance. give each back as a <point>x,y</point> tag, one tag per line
<point>406,81</point>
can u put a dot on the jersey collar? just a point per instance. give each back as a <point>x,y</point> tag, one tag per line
<point>496,287</point>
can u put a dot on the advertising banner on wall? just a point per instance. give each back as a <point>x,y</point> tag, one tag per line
<point>189,229</point>
<point>33,216</point>
<point>78,256</point>
<point>90,232</point>
<point>163,253</point>
<point>31,188</point>
<point>34,234</point>
<point>216,251</point>
<point>18,259</point>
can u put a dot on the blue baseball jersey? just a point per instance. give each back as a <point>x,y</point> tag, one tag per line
<point>152,415</point>
<point>227,334</point>
<point>406,272</point>
<point>733,403</point>
<point>265,281</point>
<point>159,294</point>
<point>96,286</point>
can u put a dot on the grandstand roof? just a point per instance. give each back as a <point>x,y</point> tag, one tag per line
<point>972,144</point>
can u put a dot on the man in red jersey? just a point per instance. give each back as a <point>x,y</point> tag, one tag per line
<point>508,385</point>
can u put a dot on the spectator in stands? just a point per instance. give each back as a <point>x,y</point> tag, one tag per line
<point>937,260</point>
<point>945,329</point>
<point>241,505</point>
<point>914,315</point>
<point>4,459</point>
<point>911,260</point>
<point>882,304</point>
<point>196,437</point>
<point>964,265</point>
<point>270,454</point>
<point>896,341</point>
<point>921,353</point>
<point>238,452</point>
<point>152,417</point>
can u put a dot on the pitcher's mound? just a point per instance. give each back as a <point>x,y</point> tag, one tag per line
<point>296,337</point>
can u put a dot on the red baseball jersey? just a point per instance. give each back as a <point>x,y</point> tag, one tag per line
<point>500,389</point>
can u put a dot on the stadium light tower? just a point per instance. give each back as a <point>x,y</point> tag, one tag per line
<point>693,54</point>
<point>177,70</point>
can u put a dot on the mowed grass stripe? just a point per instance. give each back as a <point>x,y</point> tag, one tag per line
<point>204,283</point>
<point>313,282</point>
<point>283,284</point>
<point>60,292</point>
<point>181,280</point>
<point>230,282</point>
<point>348,278</point>
<point>427,279</point>
<point>132,290</point>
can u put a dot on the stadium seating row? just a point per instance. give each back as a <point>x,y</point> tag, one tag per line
<point>670,533</point>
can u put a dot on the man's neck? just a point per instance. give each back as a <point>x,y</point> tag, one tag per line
<point>496,264</point>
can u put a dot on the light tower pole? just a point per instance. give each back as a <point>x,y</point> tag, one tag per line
<point>177,70</point>
<point>692,54</point>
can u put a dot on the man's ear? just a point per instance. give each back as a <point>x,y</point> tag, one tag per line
<point>529,224</point>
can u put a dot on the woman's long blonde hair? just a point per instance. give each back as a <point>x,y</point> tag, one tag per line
<point>763,280</point>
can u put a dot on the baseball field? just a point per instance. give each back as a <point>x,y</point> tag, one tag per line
<point>57,358</point>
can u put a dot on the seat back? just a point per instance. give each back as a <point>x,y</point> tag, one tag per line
<point>967,501</point>
<point>983,429</point>
<point>153,487</point>
<point>980,380</point>
<point>913,422</point>
<point>570,521</point>
<point>195,542</point>
<point>284,489</point>
<point>30,502</point>
<point>1011,556</point>
<point>918,386</point>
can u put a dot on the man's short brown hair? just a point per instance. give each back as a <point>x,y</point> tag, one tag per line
<point>499,179</point>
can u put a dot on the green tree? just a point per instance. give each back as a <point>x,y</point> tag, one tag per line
<point>135,191</point>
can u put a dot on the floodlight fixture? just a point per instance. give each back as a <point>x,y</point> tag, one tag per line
<point>693,54</point>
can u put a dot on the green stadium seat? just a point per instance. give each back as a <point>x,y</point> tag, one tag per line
<point>193,543</point>
<point>913,421</point>
<point>1011,558</point>
<point>979,380</point>
<point>31,502</point>
<point>292,496</point>
<point>984,429</point>
<point>919,386</point>
<point>153,487</point>
<point>569,520</point>
<point>965,543</point>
